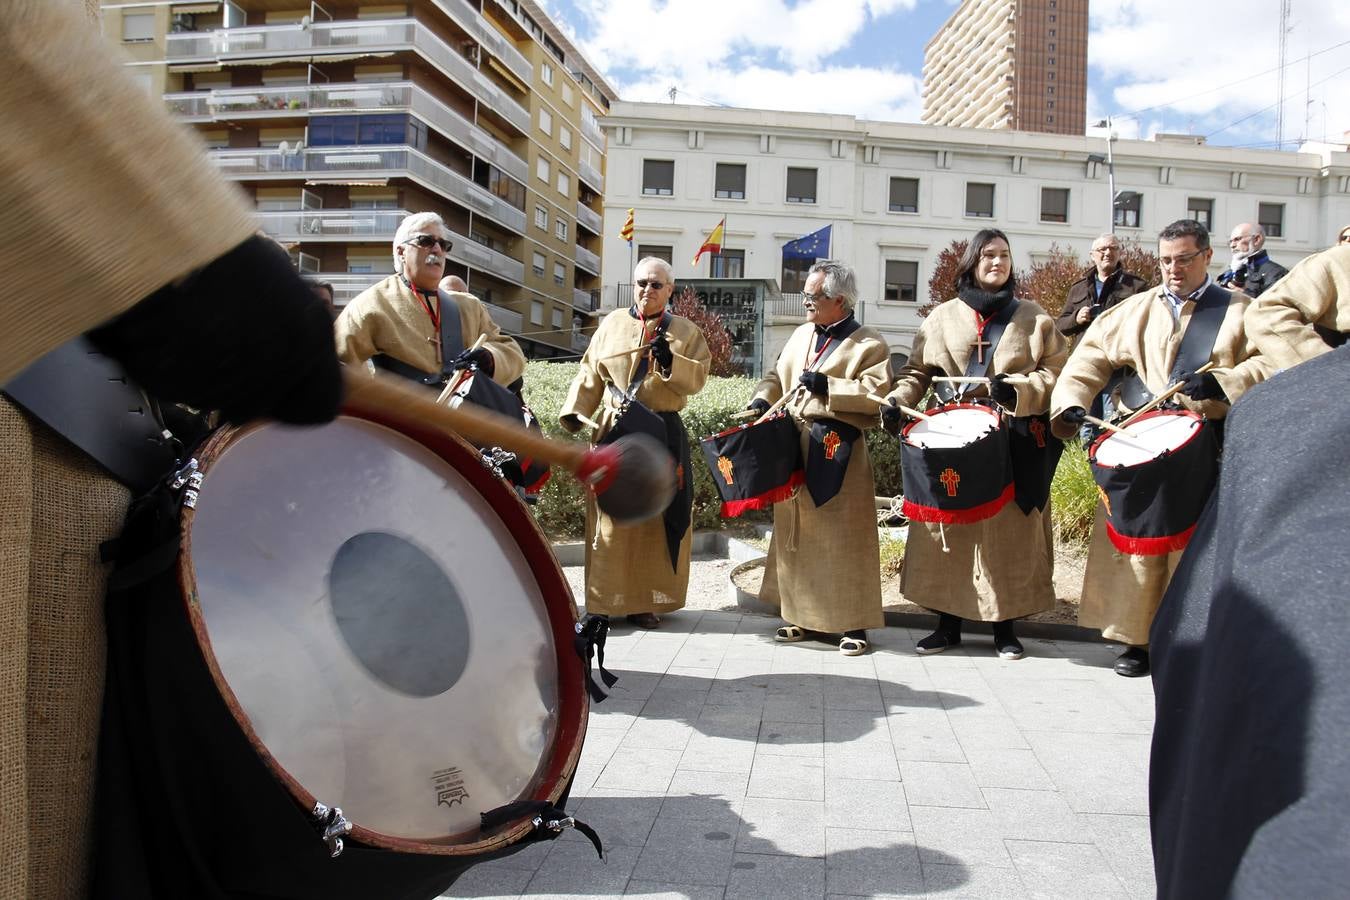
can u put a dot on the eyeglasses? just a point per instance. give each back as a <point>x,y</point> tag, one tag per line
<point>653,283</point>
<point>426,241</point>
<point>1179,262</point>
<point>1240,238</point>
<point>1345,238</point>
<point>814,298</point>
<point>1105,250</point>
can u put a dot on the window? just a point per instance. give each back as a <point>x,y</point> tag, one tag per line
<point>546,74</point>
<point>564,183</point>
<point>536,312</point>
<point>557,319</point>
<point>139,26</point>
<point>559,275</point>
<point>488,176</point>
<point>1054,204</point>
<point>541,218</point>
<point>539,262</point>
<point>565,137</point>
<point>1049,104</point>
<point>794,275</point>
<point>560,229</point>
<point>904,195</point>
<point>1128,204</point>
<point>729,182</point>
<point>801,185</point>
<point>658,177</point>
<point>567,96</point>
<point>346,131</point>
<point>1050,118</point>
<point>728,264</point>
<point>1052,34</point>
<point>1201,210</point>
<point>1052,47</point>
<point>1050,90</point>
<point>1051,60</point>
<point>545,121</point>
<point>902,280</point>
<point>1271,217</point>
<point>541,170</point>
<point>1050,75</point>
<point>657,250</point>
<point>979,200</point>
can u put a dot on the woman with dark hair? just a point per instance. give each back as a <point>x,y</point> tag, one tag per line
<point>997,569</point>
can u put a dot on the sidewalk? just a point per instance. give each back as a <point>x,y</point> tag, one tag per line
<point>725,765</point>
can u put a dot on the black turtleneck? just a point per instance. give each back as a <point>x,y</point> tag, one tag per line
<point>986,303</point>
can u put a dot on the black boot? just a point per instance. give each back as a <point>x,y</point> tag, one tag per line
<point>1006,643</point>
<point>948,635</point>
<point>1133,663</point>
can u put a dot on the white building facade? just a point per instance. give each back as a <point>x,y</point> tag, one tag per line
<point>896,195</point>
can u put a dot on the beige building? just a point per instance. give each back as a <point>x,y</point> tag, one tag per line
<point>340,119</point>
<point>1011,64</point>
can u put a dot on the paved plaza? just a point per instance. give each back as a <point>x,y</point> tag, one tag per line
<point>725,765</point>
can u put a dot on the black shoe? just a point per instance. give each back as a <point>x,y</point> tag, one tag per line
<point>1006,643</point>
<point>646,620</point>
<point>1133,663</point>
<point>947,636</point>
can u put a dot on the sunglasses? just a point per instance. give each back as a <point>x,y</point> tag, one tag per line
<point>426,241</point>
<point>650,282</point>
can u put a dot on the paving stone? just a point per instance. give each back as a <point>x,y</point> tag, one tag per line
<point>700,795</point>
<point>787,778</point>
<point>924,735</point>
<point>970,837</point>
<point>1097,773</point>
<point>622,818</point>
<point>684,706</point>
<point>867,762</point>
<point>866,805</point>
<point>755,876</point>
<point>1008,769</point>
<point>689,851</point>
<point>657,734</point>
<point>866,863</point>
<point>655,890</point>
<point>1127,845</point>
<point>490,881</point>
<point>687,679</point>
<point>791,739</point>
<point>788,827</point>
<point>1052,870</point>
<point>809,710</point>
<point>574,868</point>
<point>613,714</point>
<point>940,784</point>
<point>1034,815</point>
<point>717,754</point>
<point>972,882</point>
<point>988,732</point>
<point>640,770</point>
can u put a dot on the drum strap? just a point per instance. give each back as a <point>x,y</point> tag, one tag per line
<point>975,367</point>
<point>452,333</point>
<point>640,369</point>
<point>590,644</point>
<point>548,820</point>
<point>1197,345</point>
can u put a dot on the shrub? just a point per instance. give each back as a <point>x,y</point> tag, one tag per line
<point>1073,497</point>
<point>892,556</point>
<point>714,331</point>
<point>1048,282</point>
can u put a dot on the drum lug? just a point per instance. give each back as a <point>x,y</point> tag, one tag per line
<point>554,825</point>
<point>494,458</point>
<point>188,480</point>
<point>332,825</point>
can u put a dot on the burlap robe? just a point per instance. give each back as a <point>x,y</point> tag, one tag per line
<point>1121,591</point>
<point>1316,292</point>
<point>826,561</point>
<point>1003,567</point>
<point>93,164</point>
<point>628,567</point>
<point>387,318</point>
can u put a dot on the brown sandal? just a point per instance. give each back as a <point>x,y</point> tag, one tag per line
<point>645,620</point>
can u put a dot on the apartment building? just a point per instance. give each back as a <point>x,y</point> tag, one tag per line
<point>1011,64</point>
<point>895,195</point>
<point>339,119</point>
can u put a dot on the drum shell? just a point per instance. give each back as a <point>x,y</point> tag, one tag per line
<point>1152,507</point>
<point>984,469</point>
<point>634,417</point>
<point>763,464</point>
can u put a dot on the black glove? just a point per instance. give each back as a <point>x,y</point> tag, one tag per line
<point>1074,415</point>
<point>759,406</point>
<point>816,383</point>
<point>892,419</point>
<point>244,334</point>
<point>1002,392</point>
<point>1203,386</point>
<point>482,358</point>
<point>661,352</point>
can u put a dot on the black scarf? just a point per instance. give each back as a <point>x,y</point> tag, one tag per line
<point>984,302</point>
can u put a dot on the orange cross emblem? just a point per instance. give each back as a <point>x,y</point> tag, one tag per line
<point>1037,428</point>
<point>679,477</point>
<point>831,443</point>
<point>1106,501</point>
<point>950,478</point>
<point>724,466</point>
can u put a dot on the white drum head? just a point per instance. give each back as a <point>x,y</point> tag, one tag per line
<point>952,427</point>
<point>1147,439</point>
<point>378,624</point>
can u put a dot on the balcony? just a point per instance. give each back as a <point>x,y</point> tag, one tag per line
<point>591,175</point>
<point>379,225</point>
<point>342,39</point>
<point>494,41</point>
<point>591,130</point>
<point>507,320</point>
<point>346,285</point>
<point>587,301</point>
<point>587,260</point>
<point>368,164</point>
<point>788,306</point>
<point>588,218</point>
<point>580,341</point>
<point>355,98</point>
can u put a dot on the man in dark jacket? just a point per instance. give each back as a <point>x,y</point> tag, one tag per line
<point>1251,269</point>
<point>1101,287</point>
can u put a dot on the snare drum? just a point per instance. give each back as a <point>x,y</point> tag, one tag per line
<point>956,466</point>
<point>368,620</point>
<point>1155,479</point>
<point>755,465</point>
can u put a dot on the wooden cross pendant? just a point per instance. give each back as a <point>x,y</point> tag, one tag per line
<point>979,345</point>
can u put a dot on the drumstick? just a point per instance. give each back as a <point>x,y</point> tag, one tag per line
<point>1102,423</point>
<point>633,478</point>
<point>912,413</point>
<point>744,414</point>
<point>1164,396</point>
<point>589,423</point>
<point>622,353</point>
<point>980,379</point>
<point>451,388</point>
<point>787,395</point>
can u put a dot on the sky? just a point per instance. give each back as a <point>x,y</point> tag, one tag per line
<point>1206,67</point>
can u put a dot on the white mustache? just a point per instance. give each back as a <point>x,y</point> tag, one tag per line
<point>433,259</point>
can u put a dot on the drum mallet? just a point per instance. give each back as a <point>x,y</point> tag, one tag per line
<point>1165,395</point>
<point>452,387</point>
<point>633,478</point>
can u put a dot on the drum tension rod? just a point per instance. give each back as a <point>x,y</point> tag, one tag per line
<point>188,480</point>
<point>332,826</point>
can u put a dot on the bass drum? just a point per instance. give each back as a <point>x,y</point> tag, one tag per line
<point>387,631</point>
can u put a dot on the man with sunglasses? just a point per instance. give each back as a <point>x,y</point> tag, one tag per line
<point>1163,335</point>
<point>408,326</point>
<point>1307,312</point>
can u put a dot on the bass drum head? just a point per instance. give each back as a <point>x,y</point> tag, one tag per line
<point>377,625</point>
<point>1152,435</point>
<point>952,426</point>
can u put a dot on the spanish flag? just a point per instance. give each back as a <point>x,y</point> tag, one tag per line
<point>626,232</point>
<point>714,242</point>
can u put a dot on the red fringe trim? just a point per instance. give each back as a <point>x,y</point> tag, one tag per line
<point>1149,546</point>
<point>916,513</point>
<point>733,508</point>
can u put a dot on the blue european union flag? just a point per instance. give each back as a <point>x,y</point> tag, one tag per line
<point>815,245</point>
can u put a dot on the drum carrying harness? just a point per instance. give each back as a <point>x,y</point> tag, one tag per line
<point>827,456</point>
<point>1197,346</point>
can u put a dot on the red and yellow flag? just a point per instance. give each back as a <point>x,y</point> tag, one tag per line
<point>714,242</point>
<point>626,232</point>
